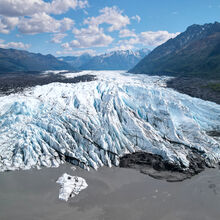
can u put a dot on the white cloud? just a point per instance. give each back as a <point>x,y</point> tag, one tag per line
<point>112,16</point>
<point>57,38</point>
<point>149,38</point>
<point>92,36</point>
<point>85,12</point>
<point>21,8</point>
<point>66,24</point>
<point>7,24</point>
<point>121,47</point>
<point>62,6</point>
<point>42,22</point>
<point>33,16</point>
<point>154,39</point>
<point>127,33</point>
<point>15,8</point>
<point>137,18</point>
<point>17,45</point>
<point>76,52</point>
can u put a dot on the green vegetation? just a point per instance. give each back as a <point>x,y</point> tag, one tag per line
<point>214,86</point>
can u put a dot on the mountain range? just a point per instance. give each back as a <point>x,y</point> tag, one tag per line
<point>115,60</point>
<point>195,52</point>
<point>12,60</point>
<point>76,61</point>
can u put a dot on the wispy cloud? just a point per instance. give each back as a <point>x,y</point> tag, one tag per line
<point>175,12</point>
<point>76,52</point>
<point>137,18</point>
<point>16,45</point>
<point>148,39</point>
<point>127,33</point>
<point>57,38</point>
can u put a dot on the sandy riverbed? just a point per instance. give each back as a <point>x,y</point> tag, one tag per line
<point>113,193</point>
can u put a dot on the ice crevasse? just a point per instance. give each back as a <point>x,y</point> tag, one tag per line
<point>92,124</point>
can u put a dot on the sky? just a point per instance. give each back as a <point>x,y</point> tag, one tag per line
<point>74,27</point>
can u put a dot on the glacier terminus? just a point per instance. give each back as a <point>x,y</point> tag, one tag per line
<point>93,124</point>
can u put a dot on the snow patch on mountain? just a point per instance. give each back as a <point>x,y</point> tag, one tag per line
<point>92,124</point>
<point>115,60</point>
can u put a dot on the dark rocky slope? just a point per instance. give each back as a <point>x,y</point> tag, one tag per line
<point>156,167</point>
<point>193,57</point>
<point>194,53</point>
<point>201,88</point>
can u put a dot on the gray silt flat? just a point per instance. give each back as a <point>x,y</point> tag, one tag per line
<point>113,193</point>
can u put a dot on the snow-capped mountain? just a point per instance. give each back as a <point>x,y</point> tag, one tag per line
<point>115,60</point>
<point>76,61</point>
<point>93,123</point>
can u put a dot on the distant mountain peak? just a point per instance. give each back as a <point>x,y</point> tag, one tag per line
<point>114,60</point>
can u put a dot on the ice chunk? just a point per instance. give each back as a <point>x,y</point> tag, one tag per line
<point>73,168</point>
<point>70,186</point>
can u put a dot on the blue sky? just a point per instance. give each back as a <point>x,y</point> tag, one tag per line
<point>73,27</point>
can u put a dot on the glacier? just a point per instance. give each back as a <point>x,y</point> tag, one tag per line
<point>93,124</point>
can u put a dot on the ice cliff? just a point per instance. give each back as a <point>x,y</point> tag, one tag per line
<point>92,124</point>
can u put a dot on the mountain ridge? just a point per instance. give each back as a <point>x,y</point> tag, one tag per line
<point>12,60</point>
<point>114,60</point>
<point>76,61</point>
<point>195,52</point>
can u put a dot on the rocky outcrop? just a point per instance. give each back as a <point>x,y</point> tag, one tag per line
<point>155,166</point>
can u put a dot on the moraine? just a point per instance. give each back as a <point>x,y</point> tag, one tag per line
<point>93,124</point>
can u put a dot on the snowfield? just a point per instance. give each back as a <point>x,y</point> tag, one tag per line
<point>92,124</point>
